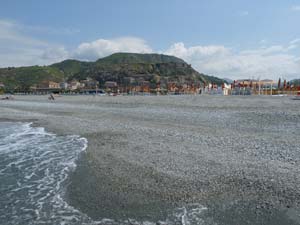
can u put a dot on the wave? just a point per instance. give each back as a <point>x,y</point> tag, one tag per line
<point>34,167</point>
<point>34,170</point>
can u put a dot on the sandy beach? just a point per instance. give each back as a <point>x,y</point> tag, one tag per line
<point>237,156</point>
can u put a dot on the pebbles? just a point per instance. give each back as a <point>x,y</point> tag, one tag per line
<point>179,149</point>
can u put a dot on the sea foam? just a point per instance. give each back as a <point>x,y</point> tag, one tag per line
<point>34,170</point>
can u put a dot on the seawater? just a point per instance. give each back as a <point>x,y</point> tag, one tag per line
<point>34,169</point>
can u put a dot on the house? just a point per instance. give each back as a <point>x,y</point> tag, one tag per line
<point>74,85</point>
<point>2,86</point>
<point>48,85</point>
<point>172,87</point>
<point>52,84</point>
<point>226,88</point>
<point>111,86</point>
<point>268,83</point>
<point>254,83</point>
<point>145,86</point>
<point>33,87</point>
<point>82,85</point>
<point>129,80</point>
<point>90,83</point>
<point>63,85</point>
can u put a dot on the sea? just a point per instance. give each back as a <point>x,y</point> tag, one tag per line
<point>34,169</point>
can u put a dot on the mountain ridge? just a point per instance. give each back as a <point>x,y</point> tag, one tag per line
<point>118,67</point>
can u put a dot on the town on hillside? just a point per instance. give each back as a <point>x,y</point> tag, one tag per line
<point>134,86</point>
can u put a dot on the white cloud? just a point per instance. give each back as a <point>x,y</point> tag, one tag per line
<point>294,44</point>
<point>10,32</point>
<point>295,41</point>
<point>263,42</point>
<point>243,13</point>
<point>55,54</point>
<point>196,53</point>
<point>266,50</point>
<point>221,61</point>
<point>19,49</point>
<point>49,30</point>
<point>104,47</point>
<point>295,8</point>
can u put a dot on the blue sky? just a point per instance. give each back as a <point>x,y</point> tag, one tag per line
<point>235,39</point>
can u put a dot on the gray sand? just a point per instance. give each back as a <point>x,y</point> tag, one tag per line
<point>238,156</point>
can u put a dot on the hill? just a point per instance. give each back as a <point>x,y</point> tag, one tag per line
<point>21,78</point>
<point>129,58</point>
<point>119,67</point>
<point>295,81</point>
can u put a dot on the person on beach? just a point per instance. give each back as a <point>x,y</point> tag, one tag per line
<point>51,97</point>
<point>8,98</point>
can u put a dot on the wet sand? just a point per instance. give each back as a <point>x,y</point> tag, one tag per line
<point>148,155</point>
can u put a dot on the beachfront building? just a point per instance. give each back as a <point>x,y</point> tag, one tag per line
<point>45,87</point>
<point>111,86</point>
<point>207,88</point>
<point>90,83</point>
<point>183,88</point>
<point>74,85</point>
<point>254,83</point>
<point>63,85</point>
<point>268,83</point>
<point>2,86</point>
<point>226,89</point>
<point>267,86</point>
<point>250,86</point>
<point>48,85</point>
<point>145,86</point>
<point>172,88</point>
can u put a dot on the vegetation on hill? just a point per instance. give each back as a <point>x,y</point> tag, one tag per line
<point>118,67</point>
<point>295,81</point>
<point>132,58</point>
<point>70,67</point>
<point>22,78</point>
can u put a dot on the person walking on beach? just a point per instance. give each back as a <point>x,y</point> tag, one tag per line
<point>51,97</point>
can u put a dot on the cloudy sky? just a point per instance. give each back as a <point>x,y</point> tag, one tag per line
<point>232,39</point>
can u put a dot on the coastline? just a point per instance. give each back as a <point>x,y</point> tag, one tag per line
<point>138,164</point>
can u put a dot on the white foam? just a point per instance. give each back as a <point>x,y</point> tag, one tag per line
<point>41,163</point>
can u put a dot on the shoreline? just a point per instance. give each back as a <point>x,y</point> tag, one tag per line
<point>137,165</point>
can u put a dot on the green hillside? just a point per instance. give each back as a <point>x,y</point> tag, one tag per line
<point>22,78</point>
<point>70,67</point>
<point>295,82</point>
<point>129,58</point>
<point>117,67</point>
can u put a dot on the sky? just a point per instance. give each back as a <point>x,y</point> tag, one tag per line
<point>229,39</point>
